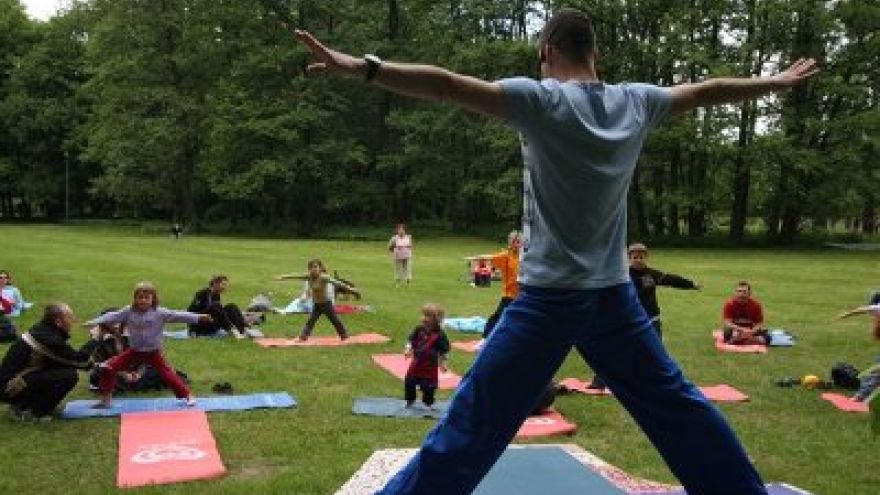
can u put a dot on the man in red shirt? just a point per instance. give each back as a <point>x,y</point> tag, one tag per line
<point>744,318</point>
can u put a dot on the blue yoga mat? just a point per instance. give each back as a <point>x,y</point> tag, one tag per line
<point>83,408</point>
<point>543,470</point>
<point>472,324</point>
<point>396,408</point>
<point>781,338</point>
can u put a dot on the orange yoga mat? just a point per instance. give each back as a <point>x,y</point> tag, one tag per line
<point>166,447</point>
<point>397,364</point>
<point>747,349</point>
<point>545,424</point>
<point>844,403</point>
<point>334,341</point>
<point>717,393</point>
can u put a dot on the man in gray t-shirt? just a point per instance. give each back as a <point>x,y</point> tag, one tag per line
<point>581,139</point>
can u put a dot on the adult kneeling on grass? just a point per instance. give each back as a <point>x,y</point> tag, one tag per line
<point>39,369</point>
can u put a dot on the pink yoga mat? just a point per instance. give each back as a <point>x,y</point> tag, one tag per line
<point>363,338</point>
<point>547,423</point>
<point>576,385</point>
<point>166,447</point>
<point>717,393</point>
<point>748,349</point>
<point>723,393</point>
<point>844,403</point>
<point>467,345</point>
<point>397,364</point>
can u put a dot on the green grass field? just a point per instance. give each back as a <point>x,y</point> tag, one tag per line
<point>792,435</point>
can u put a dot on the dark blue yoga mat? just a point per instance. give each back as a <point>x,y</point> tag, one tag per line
<point>83,408</point>
<point>396,408</point>
<point>772,489</point>
<point>543,471</point>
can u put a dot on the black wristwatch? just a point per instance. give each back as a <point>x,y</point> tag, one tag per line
<point>373,64</point>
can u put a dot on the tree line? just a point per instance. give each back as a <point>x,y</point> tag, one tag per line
<point>200,111</point>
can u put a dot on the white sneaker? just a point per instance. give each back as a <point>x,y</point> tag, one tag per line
<point>190,401</point>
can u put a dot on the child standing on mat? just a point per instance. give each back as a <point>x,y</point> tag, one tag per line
<point>144,320</point>
<point>317,284</point>
<point>428,348</point>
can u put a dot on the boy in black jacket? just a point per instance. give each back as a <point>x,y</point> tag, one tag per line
<point>646,280</point>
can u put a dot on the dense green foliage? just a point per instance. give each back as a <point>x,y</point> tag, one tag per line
<point>792,435</point>
<point>199,111</point>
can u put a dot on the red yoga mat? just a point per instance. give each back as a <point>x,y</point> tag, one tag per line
<point>844,403</point>
<point>363,338</point>
<point>748,349</point>
<point>397,364</point>
<point>166,447</point>
<point>547,423</point>
<point>467,345</point>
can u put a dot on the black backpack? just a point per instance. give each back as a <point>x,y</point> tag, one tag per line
<point>845,375</point>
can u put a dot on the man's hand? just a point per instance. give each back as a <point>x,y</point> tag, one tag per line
<point>794,75</point>
<point>206,319</point>
<point>328,60</point>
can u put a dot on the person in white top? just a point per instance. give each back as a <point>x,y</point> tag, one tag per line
<point>400,247</point>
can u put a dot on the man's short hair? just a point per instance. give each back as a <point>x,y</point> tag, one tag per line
<point>744,283</point>
<point>571,32</point>
<point>637,247</point>
<point>54,311</point>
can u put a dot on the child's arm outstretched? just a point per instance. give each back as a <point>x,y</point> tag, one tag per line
<point>873,309</point>
<point>343,285</point>
<point>292,276</point>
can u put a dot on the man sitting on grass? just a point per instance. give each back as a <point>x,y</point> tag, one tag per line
<point>744,318</point>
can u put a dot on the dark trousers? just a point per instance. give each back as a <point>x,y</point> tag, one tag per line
<point>325,308</point>
<point>427,385</point>
<point>611,331</point>
<point>599,383</point>
<point>493,320</point>
<point>225,317</point>
<point>45,390</point>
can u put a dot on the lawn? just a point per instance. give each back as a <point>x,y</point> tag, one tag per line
<point>792,435</point>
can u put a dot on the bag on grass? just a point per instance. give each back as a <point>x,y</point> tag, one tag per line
<point>845,375</point>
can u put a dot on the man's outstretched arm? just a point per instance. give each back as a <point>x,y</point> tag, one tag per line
<point>420,81</point>
<point>686,97</point>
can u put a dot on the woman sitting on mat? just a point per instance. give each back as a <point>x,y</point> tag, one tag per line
<point>869,379</point>
<point>144,320</point>
<point>226,317</point>
<point>428,347</point>
<point>317,284</point>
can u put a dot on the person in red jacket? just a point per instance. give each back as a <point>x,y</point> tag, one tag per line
<point>744,318</point>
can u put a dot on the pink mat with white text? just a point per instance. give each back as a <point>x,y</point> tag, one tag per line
<point>166,447</point>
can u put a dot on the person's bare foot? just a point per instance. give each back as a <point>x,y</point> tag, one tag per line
<point>190,401</point>
<point>103,403</point>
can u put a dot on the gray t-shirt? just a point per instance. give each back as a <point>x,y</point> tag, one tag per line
<point>580,144</point>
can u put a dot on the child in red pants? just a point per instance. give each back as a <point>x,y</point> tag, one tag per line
<point>144,320</point>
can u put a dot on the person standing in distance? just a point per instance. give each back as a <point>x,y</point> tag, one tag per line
<point>581,139</point>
